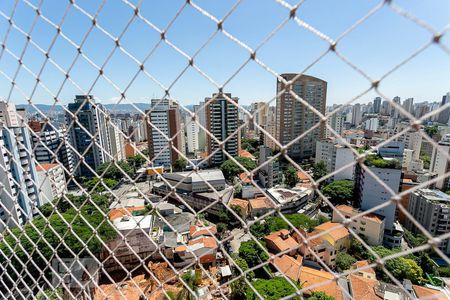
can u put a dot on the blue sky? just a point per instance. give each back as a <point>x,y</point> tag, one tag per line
<point>375,46</point>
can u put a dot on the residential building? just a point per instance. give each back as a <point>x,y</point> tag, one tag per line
<point>370,227</point>
<point>369,193</point>
<point>289,266</point>
<point>200,113</point>
<point>408,105</point>
<point>281,241</point>
<point>261,112</point>
<point>320,281</point>
<point>444,115</point>
<point>163,132</point>
<point>222,122</point>
<point>243,206</point>
<point>117,142</point>
<point>336,234</point>
<point>356,114</point>
<point>336,122</point>
<point>52,182</point>
<point>48,142</point>
<point>377,105</point>
<point>291,200</point>
<point>19,195</point>
<point>371,124</point>
<point>271,129</point>
<point>293,118</point>
<point>431,209</point>
<point>439,163</point>
<point>259,206</point>
<point>336,156</point>
<point>192,136</point>
<point>191,182</point>
<point>269,171</point>
<point>87,120</point>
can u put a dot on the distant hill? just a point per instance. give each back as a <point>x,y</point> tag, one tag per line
<point>45,108</point>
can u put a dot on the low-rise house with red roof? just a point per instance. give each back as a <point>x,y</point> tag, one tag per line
<point>243,206</point>
<point>260,206</point>
<point>317,249</point>
<point>336,234</point>
<point>281,241</point>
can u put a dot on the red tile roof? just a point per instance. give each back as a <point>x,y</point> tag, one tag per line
<point>363,288</point>
<point>45,167</point>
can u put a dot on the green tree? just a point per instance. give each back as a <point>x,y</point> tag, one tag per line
<point>271,289</point>
<point>230,169</point>
<point>239,287</point>
<point>192,280</point>
<point>339,191</point>
<point>358,250</point>
<point>251,145</point>
<point>414,240</point>
<point>290,177</point>
<point>136,161</point>
<point>180,164</point>
<point>319,170</point>
<point>320,296</point>
<point>426,160</point>
<point>99,187</point>
<point>271,224</point>
<point>400,267</point>
<point>431,130</point>
<point>115,171</point>
<point>46,234</point>
<point>252,253</point>
<point>344,261</point>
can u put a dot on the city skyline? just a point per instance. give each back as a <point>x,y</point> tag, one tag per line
<point>384,37</point>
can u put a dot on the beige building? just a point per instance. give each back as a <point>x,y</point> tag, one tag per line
<point>370,226</point>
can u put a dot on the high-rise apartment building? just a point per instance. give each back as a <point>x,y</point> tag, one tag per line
<point>19,195</point>
<point>268,173</point>
<point>117,141</point>
<point>377,105</point>
<point>52,182</point>
<point>51,145</point>
<point>192,135</point>
<point>294,118</point>
<point>408,105</point>
<point>89,134</point>
<point>356,114</point>
<point>222,122</point>
<point>336,121</point>
<point>335,157</point>
<point>369,193</point>
<point>439,163</point>
<point>164,117</point>
<point>431,208</point>
<point>444,115</point>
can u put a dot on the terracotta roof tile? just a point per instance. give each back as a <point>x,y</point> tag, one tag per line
<point>196,231</point>
<point>45,167</point>
<point>364,263</point>
<point>309,277</point>
<point>245,153</point>
<point>261,202</point>
<point>424,292</point>
<point>282,244</point>
<point>289,266</point>
<point>126,211</point>
<point>363,288</point>
<point>337,231</point>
